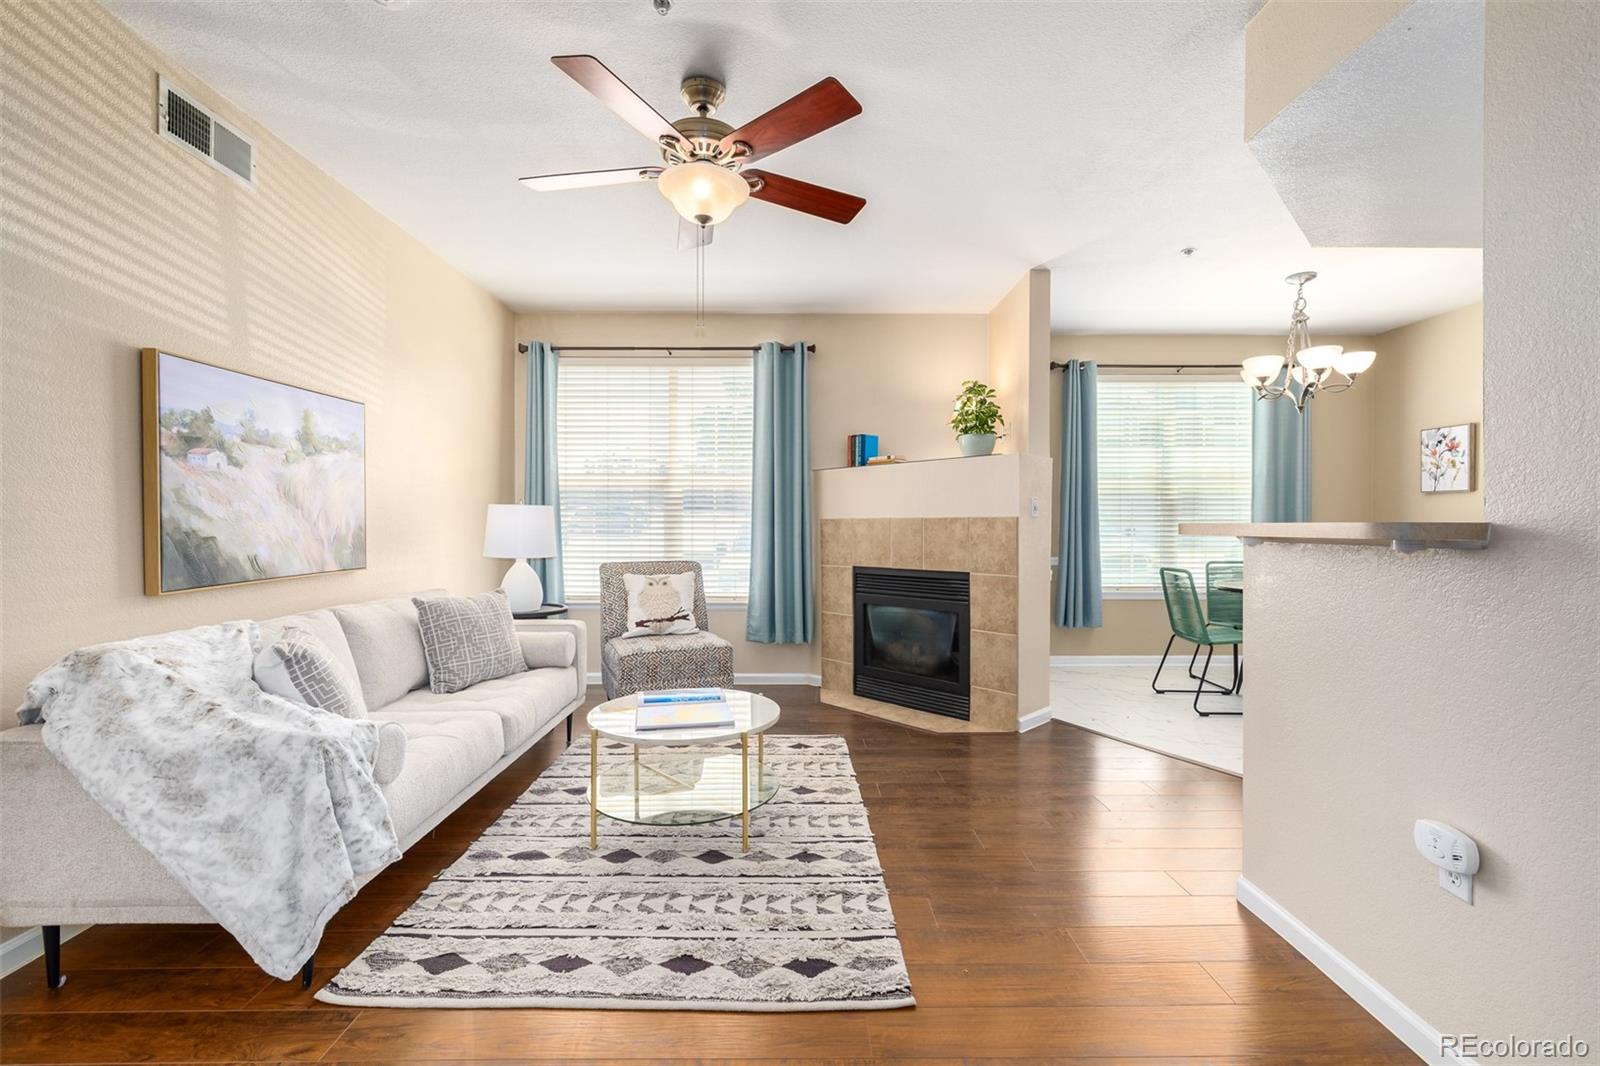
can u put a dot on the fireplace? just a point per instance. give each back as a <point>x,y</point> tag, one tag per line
<point>913,639</point>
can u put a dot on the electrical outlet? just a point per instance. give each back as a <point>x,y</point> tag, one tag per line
<point>1458,885</point>
<point>1033,507</point>
<point>1452,851</point>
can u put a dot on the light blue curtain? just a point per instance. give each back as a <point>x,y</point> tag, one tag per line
<point>1078,570</point>
<point>779,608</point>
<point>540,483</point>
<point>1280,461</point>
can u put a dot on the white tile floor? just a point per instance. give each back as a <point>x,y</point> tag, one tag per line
<point>1116,701</point>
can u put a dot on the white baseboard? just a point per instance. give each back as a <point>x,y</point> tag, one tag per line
<point>1105,660</point>
<point>1035,720</point>
<point>28,945</point>
<point>814,680</point>
<point>1393,1015</point>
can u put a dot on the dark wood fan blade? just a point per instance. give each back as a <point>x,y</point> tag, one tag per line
<point>588,179</point>
<point>831,204</point>
<point>825,104</point>
<point>612,91</point>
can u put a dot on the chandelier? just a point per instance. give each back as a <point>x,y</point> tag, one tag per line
<point>1304,369</point>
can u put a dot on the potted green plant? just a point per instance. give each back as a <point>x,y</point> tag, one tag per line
<point>976,419</point>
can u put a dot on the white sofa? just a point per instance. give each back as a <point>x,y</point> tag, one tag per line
<point>65,861</point>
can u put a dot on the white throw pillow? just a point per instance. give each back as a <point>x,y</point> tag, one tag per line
<point>659,604</point>
<point>550,648</point>
<point>391,757</point>
<point>298,665</point>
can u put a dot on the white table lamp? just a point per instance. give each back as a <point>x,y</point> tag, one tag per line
<point>520,531</point>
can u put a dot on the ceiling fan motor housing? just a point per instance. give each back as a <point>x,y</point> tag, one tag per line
<point>702,135</point>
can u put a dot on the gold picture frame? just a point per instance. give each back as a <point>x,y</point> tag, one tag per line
<point>234,493</point>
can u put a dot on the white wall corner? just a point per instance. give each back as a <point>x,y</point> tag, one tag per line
<point>1393,1015</point>
<point>1035,719</point>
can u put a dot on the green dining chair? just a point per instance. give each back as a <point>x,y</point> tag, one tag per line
<point>1189,622</point>
<point>1225,606</point>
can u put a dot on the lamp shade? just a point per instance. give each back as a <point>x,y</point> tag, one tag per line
<point>1352,363</point>
<point>519,531</point>
<point>1262,368</point>
<point>703,193</point>
<point>1318,358</point>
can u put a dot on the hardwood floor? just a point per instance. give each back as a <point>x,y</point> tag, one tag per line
<point>1058,895</point>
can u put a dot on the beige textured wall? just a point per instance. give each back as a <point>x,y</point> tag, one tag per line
<point>1341,449</point>
<point>1291,44</point>
<point>1019,346</point>
<point>1465,683</point>
<point>1429,373</point>
<point>112,239</point>
<point>895,375</point>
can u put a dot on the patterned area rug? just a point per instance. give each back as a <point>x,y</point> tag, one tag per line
<point>665,917</point>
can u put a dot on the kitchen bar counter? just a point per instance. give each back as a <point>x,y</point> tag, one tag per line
<point>1401,536</point>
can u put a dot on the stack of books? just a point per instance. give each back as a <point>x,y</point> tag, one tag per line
<point>684,708</point>
<point>861,448</point>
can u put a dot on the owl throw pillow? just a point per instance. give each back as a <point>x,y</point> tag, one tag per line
<point>659,604</point>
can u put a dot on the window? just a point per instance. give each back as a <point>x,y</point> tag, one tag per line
<point>1171,450</point>
<point>655,462</point>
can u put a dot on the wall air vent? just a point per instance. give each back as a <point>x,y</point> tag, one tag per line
<point>184,121</point>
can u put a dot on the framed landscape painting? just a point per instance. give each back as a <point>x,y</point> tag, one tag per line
<point>1448,454</point>
<point>247,479</point>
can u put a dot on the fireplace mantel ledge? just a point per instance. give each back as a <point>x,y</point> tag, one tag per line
<point>1403,537</point>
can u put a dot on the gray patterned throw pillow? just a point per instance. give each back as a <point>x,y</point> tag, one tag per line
<point>298,665</point>
<point>468,639</point>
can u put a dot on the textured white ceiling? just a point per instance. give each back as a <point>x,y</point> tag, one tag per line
<point>1387,148</point>
<point>1096,139</point>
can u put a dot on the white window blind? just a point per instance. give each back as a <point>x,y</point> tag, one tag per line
<point>654,461</point>
<point>1171,450</point>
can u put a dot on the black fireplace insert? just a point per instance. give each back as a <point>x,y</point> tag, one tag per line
<point>913,639</point>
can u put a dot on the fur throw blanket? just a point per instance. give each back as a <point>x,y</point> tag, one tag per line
<point>264,809</point>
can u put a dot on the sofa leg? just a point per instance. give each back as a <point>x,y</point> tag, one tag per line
<point>52,957</point>
<point>569,729</point>
<point>305,971</point>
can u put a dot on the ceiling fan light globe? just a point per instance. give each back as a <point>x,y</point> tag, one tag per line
<point>703,193</point>
<point>1318,357</point>
<point>1352,363</point>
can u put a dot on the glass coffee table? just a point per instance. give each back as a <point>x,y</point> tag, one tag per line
<point>665,785</point>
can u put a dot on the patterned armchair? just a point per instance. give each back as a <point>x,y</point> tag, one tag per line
<point>638,664</point>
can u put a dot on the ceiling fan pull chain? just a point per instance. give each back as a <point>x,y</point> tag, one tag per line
<point>700,280</point>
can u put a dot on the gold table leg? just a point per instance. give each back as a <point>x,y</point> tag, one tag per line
<point>594,788</point>
<point>761,761</point>
<point>744,791</point>
<point>636,781</point>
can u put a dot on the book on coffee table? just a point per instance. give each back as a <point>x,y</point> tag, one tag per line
<point>682,709</point>
<point>682,695</point>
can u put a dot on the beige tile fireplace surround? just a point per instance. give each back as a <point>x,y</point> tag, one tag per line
<point>986,548</point>
<point>909,517</point>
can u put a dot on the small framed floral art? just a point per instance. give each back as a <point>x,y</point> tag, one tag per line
<point>1448,457</point>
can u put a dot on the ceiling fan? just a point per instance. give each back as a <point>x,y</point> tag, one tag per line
<point>703,172</point>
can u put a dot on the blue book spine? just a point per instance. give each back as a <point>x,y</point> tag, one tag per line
<point>855,453</point>
<point>869,447</point>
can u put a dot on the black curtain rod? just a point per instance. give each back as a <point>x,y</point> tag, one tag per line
<point>1176,368</point>
<point>669,348</point>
